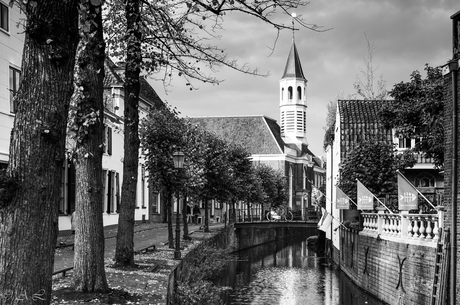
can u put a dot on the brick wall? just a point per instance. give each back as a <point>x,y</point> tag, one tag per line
<point>448,168</point>
<point>375,264</point>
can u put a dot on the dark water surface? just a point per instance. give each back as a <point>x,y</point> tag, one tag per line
<point>289,273</point>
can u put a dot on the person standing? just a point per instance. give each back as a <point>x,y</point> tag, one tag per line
<point>196,213</point>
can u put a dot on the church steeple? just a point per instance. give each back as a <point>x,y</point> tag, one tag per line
<point>293,100</point>
<point>293,66</point>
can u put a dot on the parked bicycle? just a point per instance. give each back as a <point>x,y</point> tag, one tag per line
<point>279,213</point>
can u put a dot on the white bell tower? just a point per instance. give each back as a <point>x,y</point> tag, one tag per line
<point>293,100</point>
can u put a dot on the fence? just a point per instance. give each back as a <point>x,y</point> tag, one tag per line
<point>415,229</point>
<point>259,215</point>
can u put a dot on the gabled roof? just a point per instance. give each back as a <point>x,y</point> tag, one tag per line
<point>258,134</point>
<point>293,67</point>
<point>147,93</point>
<point>111,76</point>
<point>360,120</point>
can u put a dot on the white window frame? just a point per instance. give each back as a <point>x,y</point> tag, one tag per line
<point>14,81</point>
<point>4,8</point>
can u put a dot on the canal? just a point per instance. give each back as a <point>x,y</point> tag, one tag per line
<point>289,273</point>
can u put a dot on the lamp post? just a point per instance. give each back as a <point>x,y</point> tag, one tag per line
<point>178,159</point>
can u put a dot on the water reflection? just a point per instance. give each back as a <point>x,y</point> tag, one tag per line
<point>288,273</point>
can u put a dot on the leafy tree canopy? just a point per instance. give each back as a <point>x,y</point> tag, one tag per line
<point>417,112</point>
<point>375,165</point>
<point>178,38</point>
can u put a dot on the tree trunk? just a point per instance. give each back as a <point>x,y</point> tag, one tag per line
<point>164,209</point>
<point>233,214</point>
<point>206,215</point>
<point>249,210</point>
<point>124,253</point>
<point>170,224</point>
<point>185,219</point>
<point>89,273</point>
<point>31,189</point>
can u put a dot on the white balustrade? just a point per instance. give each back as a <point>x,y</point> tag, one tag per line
<point>404,227</point>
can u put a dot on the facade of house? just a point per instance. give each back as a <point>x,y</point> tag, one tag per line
<point>451,156</point>
<point>11,44</point>
<point>284,147</point>
<point>147,201</point>
<point>356,121</point>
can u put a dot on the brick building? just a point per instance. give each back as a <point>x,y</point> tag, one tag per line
<point>359,120</point>
<point>451,166</point>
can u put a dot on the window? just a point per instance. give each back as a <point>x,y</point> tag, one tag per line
<point>290,93</point>
<point>67,203</point>
<point>304,121</point>
<point>282,122</point>
<point>4,19</point>
<point>111,191</point>
<point>299,120</point>
<point>424,180</point>
<point>405,143</point>
<point>15,77</point>
<point>289,121</point>
<point>117,190</point>
<point>282,93</point>
<point>143,186</point>
<point>154,199</point>
<point>299,93</point>
<point>218,205</point>
<point>108,140</point>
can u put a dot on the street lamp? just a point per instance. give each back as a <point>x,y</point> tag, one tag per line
<point>178,159</point>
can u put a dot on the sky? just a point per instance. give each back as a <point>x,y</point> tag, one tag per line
<point>405,34</point>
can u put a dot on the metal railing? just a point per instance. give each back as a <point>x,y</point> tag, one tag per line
<point>258,215</point>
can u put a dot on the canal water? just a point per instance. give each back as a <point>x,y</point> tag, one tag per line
<point>288,273</point>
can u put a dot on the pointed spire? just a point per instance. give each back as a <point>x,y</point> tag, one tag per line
<point>293,67</point>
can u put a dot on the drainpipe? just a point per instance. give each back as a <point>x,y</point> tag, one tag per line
<point>332,198</point>
<point>453,67</point>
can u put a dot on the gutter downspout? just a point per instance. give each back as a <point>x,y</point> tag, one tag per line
<point>332,198</point>
<point>453,67</point>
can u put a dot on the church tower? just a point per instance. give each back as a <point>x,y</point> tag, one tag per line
<point>293,101</point>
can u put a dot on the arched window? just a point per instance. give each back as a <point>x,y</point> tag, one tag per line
<point>425,180</point>
<point>289,93</point>
<point>282,93</point>
<point>299,93</point>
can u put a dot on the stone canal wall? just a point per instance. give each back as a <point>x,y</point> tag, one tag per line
<point>395,273</point>
<point>236,239</point>
<point>250,236</point>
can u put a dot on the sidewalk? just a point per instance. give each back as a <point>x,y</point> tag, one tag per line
<point>145,235</point>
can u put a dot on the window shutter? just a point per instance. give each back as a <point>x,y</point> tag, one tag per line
<point>109,140</point>
<point>117,190</point>
<point>104,140</point>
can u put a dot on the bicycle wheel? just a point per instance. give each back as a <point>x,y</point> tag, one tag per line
<point>288,216</point>
<point>269,216</point>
